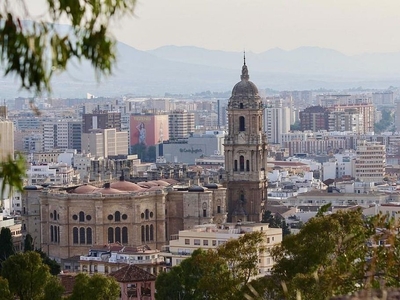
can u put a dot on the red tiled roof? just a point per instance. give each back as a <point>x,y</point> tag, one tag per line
<point>132,273</point>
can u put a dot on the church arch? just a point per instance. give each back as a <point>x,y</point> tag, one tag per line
<point>242,126</point>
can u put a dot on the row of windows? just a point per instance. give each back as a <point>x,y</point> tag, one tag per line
<point>197,242</point>
<point>82,236</point>
<point>55,234</point>
<point>117,235</point>
<point>241,164</point>
<point>117,216</point>
<point>147,233</point>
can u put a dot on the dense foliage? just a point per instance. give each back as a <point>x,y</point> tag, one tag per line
<point>220,274</point>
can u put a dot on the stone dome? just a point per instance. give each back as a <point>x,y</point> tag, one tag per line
<point>108,191</point>
<point>162,183</point>
<point>212,186</point>
<point>84,189</point>
<point>127,186</point>
<point>244,88</point>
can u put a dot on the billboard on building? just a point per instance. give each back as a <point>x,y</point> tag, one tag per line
<point>148,129</point>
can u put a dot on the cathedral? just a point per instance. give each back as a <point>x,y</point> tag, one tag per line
<point>245,150</point>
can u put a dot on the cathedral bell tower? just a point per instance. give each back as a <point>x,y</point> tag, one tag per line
<point>245,150</point>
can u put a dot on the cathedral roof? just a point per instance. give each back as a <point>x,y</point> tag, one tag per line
<point>127,186</point>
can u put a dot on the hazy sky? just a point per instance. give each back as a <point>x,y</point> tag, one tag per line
<point>350,26</point>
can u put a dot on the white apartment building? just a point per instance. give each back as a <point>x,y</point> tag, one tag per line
<point>370,163</point>
<point>105,142</point>
<point>109,258</point>
<point>276,121</point>
<point>55,174</point>
<point>210,236</point>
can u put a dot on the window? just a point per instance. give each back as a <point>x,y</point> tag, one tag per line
<point>75,238</point>
<point>147,233</point>
<point>146,214</point>
<point>241,105</point>
<point>117,234</point>
<point>125,235</point>
<point>82,239</point>
<point>247,165</point>
<point>143,234</point>
<point>117,216</point>
<point>218,209</point>
<point>236,165</point>
<point>81,216</point>
<point>187,242</point>
<point>151,232</point>
<point>241,158</point>
<point>51,234</point>
<point>196,242</point>
<point>214,243</point>
<point>89,236</point>
<point>205,242</point>
<point>241,124</point>
<point>110,235</point>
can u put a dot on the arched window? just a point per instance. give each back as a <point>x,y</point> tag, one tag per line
<point>218,209</point>
<point>241,158</point>
<point>241,124</point>
<point>125,235</point>
<point>117,234</point>
<point>55,215</point>
<point>89,235</point>
<point>56,231</point>
<point>51,234</point>
<point>82,239</point>
<point>142,233</point>
<point>110,235</point>
<point>147,233</point>
<point>151,232</point>
<point>75,238</point>
<point>241,105</point>
<point>247,165</point>
<point>81,216</point>
<point>117,216</point>
<point>235,169</point>
<point>146,214</point>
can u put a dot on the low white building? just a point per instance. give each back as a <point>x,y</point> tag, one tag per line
<point>54,174</point>
<point>210,236</point>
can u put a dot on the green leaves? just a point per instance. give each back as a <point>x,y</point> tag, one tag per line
<point>34,51</point>
<point>12,172</point>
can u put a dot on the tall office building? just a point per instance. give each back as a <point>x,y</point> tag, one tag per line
<point>6,139</point>
<point>180,123</point>
<point>101,119</point>
<point>245,152</point>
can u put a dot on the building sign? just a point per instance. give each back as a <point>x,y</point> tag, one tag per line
<point>190,150</point>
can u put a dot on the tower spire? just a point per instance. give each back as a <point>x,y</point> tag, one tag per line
<point>245,72</point>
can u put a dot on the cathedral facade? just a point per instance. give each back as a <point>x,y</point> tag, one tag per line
<point>245,150</point>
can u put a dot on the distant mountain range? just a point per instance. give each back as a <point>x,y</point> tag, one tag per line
<point>186,70</point>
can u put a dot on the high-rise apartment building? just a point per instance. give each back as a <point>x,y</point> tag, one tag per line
<point>314,118</point>
<point>370,163</point>
<point>180,123</point>
<point>276,121</point>
<point>105,142</point>
<point>6,139</point>
<point>101,119</point>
